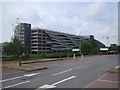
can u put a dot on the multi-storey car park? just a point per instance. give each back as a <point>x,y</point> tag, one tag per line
<point>42,41</point>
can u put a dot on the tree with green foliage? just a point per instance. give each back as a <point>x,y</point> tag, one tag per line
<point>15,47</point>
<point>93,43</point>
<point>85,48</point>
<point>118,48</point>
<point>94,51</point>
<point>8,49</point>
<point>89,48</point>
<point>113,48</point>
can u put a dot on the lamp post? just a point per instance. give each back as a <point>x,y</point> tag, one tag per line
<point>107,42</point>
<point>80,45</point>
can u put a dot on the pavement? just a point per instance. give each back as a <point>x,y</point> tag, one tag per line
<point>108,80</point>
<point>91,72</point>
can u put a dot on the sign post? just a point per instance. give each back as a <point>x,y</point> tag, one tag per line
<point>75,50</point>
<point>104,50</point>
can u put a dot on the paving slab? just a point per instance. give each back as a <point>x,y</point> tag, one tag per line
<point>102,84</point>
<point>111,77</point>
<point>110,80</point>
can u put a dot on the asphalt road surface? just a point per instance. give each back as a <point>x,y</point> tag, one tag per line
<point>63,74</point>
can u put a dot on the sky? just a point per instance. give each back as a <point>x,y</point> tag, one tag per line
<point>86,18</point>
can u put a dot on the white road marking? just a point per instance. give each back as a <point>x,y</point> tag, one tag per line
<point>11,78</point>
<point>53,85</point>
<point>108,81</point>
<point>95,81</point>
<point>29,75</point>
<point>17,84</point>
<point>26,75</point>
<point>65,71</point>
<point>60,72</point>
<point>78,67</point>
<point>46,86</point>
<point>64,80</point>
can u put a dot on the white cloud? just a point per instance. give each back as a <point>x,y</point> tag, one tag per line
<point>91,11</point>
<point>90,18</point>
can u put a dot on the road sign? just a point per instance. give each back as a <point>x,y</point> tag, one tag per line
<point>104,49</point>
<point>75,50</point>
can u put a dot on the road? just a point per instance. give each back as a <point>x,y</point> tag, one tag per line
<point>70,73</point>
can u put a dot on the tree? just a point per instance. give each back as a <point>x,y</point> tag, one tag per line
<point>94,51</point>
<point>85,48</point>
<point>118,48</point>
<point>8,49</point>
<point>93,43</point>
<point>90,47</point>
<point>93,46</point>
<point>15,47</point>
<point>113,48</point>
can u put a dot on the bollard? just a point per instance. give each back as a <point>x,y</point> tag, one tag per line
<point>82,57</point>
<point>60,56</point>
<point>73,56</point>
<point>67,56</point>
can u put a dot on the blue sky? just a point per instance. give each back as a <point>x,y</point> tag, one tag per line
<point>90,18</point>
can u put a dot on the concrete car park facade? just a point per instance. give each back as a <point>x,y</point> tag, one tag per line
<point>43,41</point>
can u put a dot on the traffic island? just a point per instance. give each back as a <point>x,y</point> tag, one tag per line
<point>115,70</point>
<point>41,60</point>
<point>23,67</point>
<point>26,66</point>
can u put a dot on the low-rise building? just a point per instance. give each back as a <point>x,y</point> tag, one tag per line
<point>2,46</point>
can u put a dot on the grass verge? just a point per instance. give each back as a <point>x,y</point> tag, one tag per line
<point>24,67</point>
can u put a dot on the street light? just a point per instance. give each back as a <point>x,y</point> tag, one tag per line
<point>107,41</point>
<point>80,45</point>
